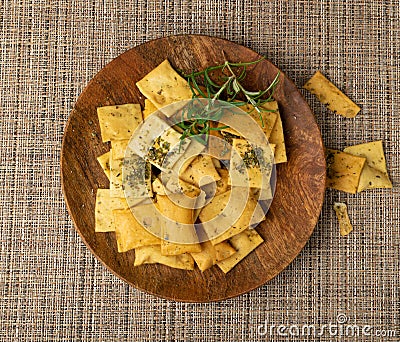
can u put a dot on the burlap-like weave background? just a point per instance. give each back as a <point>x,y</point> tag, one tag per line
<point>52,288</point>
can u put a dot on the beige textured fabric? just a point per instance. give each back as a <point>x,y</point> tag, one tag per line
<point>53,289</point>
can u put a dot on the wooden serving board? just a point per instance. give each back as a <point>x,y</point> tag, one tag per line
<point>300,182</point>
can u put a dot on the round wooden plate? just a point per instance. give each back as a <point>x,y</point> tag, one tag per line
<point>300,182</point>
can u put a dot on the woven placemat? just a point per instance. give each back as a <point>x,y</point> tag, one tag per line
<point>51,286</point>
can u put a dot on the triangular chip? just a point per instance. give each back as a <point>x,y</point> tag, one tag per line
<point>343,217</point>
<point>374,173</point>
<point>343,170</point>
<point>104,218</point>
<point>163,86</point>
<point>149,108</point>
<point>119,122</point>
<point>328,94</point>
<point>104,161</point>
<point>277,137</point>
<point>244,243</point>
<point>130,233</point>
<point>152,255</point>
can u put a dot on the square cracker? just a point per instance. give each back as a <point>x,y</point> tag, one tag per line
<point>152,255</point>
<point>343,170</point>
<point>250,166</point>
<point>119,122</point>
<point>163,86</point>
<point>244,243</point>
<point>104,218</point>
<point>200,167</point>
<point>116,189</point>
<point>374,173</point>
<point>130,233</point>
<point>328,94</point>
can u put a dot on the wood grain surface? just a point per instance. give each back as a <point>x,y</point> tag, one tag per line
<point>300,182</point>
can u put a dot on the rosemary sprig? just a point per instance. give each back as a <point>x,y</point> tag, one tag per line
<point>220,82</point>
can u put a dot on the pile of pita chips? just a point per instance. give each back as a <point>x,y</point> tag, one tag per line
<point>201,178</point>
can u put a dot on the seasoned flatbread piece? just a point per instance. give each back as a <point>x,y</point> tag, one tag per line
<point>328,94</point>
<point>163,86</point>
<point>119,148</point>
<point>343,217</point>
<point>130,233</point>
<point>119,122</point>
<point>343,170</point>
<point>244,243</point>
<point>152,255</point>
<point>226,227</point>
<point>266,119</point>
<point>250,166</point>
<point>210,254</point>
<point>374,174</point>
<point>116,189</point>
<point>178,235</point>
<point>104,218</point>
<point>199,168</point>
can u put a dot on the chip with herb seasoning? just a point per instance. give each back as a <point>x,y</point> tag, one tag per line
<point>211,254</point>
<point>163,86</point>
<point>374,174</point>
<point>105,204</point>
<point>119,148</point>
<point>328,94</point>
<point>343,170</point>
<point>250,166</point>
<point>148,109</point>
<point>130,233</point>
<point>200,171</point>
<point>153,255</point>
<point>119,122</point>
<point>244,243</point>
